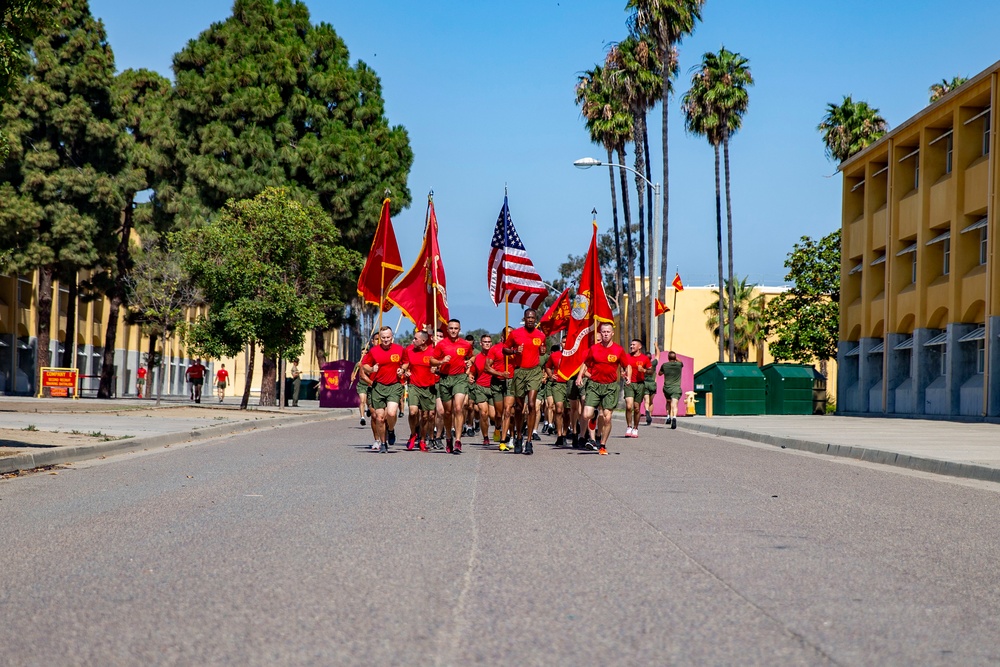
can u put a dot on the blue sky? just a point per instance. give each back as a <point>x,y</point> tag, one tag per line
<point>485,91</point>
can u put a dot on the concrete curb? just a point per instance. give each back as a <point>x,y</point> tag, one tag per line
<point>62,455</point>
<point>868,454</point>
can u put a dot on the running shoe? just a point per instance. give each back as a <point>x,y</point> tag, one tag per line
<point>458,447</point>
<point>560,441</point>
<point>363,422</point>
<point>497,437</point>
<point>517,446</point>
<point>590,445</point>
<point>411,443</point>
<point>535,436</point>
<point>628,431</point>
<point>486,442</point>
<point>423,445</point>
<point>448,445</point>
<point>376,446</point>
<point>503,446</point>
<point>384,449</point>
<point>528,449</point>
<point>602,451</point>
<point>649,419</point>
<point>673,422</point>
<point>392,438</point>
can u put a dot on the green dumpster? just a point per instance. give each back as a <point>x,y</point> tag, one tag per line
<point>789,389</point>
<point>737,389</point>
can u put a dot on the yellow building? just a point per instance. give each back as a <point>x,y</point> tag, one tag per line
<point>920,312</point>
<point>18,347</point>
<point>686,332</point>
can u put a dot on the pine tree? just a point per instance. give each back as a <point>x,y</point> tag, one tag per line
<point>59,186</point>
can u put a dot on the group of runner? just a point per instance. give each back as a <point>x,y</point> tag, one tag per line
<point>510,383</point>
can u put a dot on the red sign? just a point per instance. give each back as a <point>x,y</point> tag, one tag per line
<point>331,380</point>
<point>59,377</point>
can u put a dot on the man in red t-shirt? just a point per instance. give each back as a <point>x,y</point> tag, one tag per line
<point>222,381</point>
<point>140,380</point>
<point>452,356</point>
<point>384,365</point>
<point>196,376</point>
<point>604,363</point>
<point>638,363</point>
<point>480,386</point>
<point>525,345</point>
<point>557,393</point>
<point>421,397</point>
<point>501,371</point>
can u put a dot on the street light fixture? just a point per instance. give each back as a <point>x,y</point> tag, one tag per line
<point>654,280</point>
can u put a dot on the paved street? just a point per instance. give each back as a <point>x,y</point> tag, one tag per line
<point>297,546</point>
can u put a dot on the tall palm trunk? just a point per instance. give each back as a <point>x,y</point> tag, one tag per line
<point>718,236</point>
<point>626,210</point>
<point>665,210</point>
<point>319,344</point>
<point>619,285</point>
<point>729,244</point>
<point>654,289</point>
<point>640,188</point>
<point>268,378</point>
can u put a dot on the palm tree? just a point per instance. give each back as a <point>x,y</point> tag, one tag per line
<point>749,322</point>
<point>666,22</point>
<point>634,75</point>
<point>610,125</point>
<point>943,87</point>
<point>700,119</point>
<point>726,78</point>
<point>850,127</point>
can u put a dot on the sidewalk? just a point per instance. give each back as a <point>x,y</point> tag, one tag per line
<point>41,432</point>
<point>942,447</point>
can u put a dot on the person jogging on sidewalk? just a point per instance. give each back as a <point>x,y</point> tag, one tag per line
<point>383,363</point>
<point>671,372</point>
<point>502,373</point>
<point>635,389</point>
<point>450,357</point>
<point>480,386</point>
<point>604,363</point>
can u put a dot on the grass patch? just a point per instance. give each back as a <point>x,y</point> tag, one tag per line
<point>30,427</point>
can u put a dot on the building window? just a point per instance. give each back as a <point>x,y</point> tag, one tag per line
<point>916,174</point>
<point>949,149</point>
<point>946,262</point>
<point>24,291</point>
<point>944,360</point>
<point>980,356</point>
<point>982,245</point>
<point>913,267</point>
<point>986,134</point>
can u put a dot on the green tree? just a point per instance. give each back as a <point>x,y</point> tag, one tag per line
<point>60,198</point>
<point>158,294</point>
<point>20,23</point>
<point>725,77</point>
<point>700,118</point>
<point>944,86</point>
<point>805,320</point>
<point>748,330</point>
<point>267,99</point>
<point>850,127</point>
<point>634,75</point>
<point>142,100</point>
<point>259,263</point>
<point>609,125</point>
<point>667,22</point>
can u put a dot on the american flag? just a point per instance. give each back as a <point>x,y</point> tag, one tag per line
<point>511,275</point>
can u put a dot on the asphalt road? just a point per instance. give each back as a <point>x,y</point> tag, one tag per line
<point>296,546</point>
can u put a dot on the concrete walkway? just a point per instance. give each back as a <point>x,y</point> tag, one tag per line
<point>128,425</point>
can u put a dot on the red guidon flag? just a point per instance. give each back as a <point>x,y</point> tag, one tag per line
<point>556,318</point>
<point>661,308</point>
<point>383,263</point>
<point>421,293</point>
<point>678,285</point>
<point>590,306</point>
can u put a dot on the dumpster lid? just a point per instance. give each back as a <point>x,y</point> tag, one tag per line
<point>732,369</point>
<point>790,370</point>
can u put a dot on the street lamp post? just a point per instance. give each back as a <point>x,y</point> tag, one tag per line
<point>587,163</point>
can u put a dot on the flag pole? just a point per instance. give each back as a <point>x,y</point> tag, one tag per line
<point>673,318</point>
<point>427,222</point>
<point>381,284</point>
<point>593,322</point>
